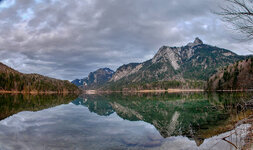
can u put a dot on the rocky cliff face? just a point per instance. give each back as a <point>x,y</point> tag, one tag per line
<point>96,78</point>
<point>125,71</point>
<point>168,54</point>
<point>237,76</point>
<point>195,61</point>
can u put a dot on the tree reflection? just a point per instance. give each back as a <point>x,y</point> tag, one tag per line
<point>13,103</point>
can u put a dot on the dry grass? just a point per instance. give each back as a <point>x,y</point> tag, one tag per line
<point>249,138</point>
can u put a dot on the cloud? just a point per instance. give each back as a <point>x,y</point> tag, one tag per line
<point>68,39</point>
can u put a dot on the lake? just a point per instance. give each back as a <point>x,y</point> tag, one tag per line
<point>116,121</point>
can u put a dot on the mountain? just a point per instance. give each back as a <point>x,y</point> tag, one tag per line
<point>237,76</point>
<point>12,80</point>
<point>78,82</point>
<point>176,67</point>
<point>94,79</point>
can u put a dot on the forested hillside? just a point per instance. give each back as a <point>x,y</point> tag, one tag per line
<point>237,76</point>
<point>12,80</point>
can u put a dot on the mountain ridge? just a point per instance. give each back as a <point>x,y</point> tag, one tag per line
<point>98,77</point>
<point>177,66</point>
<point>175,58</point>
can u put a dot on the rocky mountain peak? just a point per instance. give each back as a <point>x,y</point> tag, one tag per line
<point>196,42</point>
<point>175,55</point>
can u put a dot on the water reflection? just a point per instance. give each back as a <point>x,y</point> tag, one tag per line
<point>13,103</point>
<point>126,121</point>
<point>196,115</point>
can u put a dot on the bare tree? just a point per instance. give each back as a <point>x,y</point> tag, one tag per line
<point>240,14</point>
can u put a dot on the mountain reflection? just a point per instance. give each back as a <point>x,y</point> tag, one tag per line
<point>195,115</point>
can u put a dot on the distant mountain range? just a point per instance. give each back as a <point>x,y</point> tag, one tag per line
<point>12,80</point>
<point>172,67</point>
<point>95,79</point>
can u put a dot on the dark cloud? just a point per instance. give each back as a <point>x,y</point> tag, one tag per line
<point>68,39</point>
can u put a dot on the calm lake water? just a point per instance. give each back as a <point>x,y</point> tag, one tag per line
<point>125,121</point>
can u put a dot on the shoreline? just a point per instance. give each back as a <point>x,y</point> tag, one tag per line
<point>171,90</point>
<point>36,92</point>
<point>133,91</point>
<point>144,91</point>
<point>162,91</point>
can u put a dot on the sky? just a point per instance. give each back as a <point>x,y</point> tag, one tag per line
<point>68,39</point>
